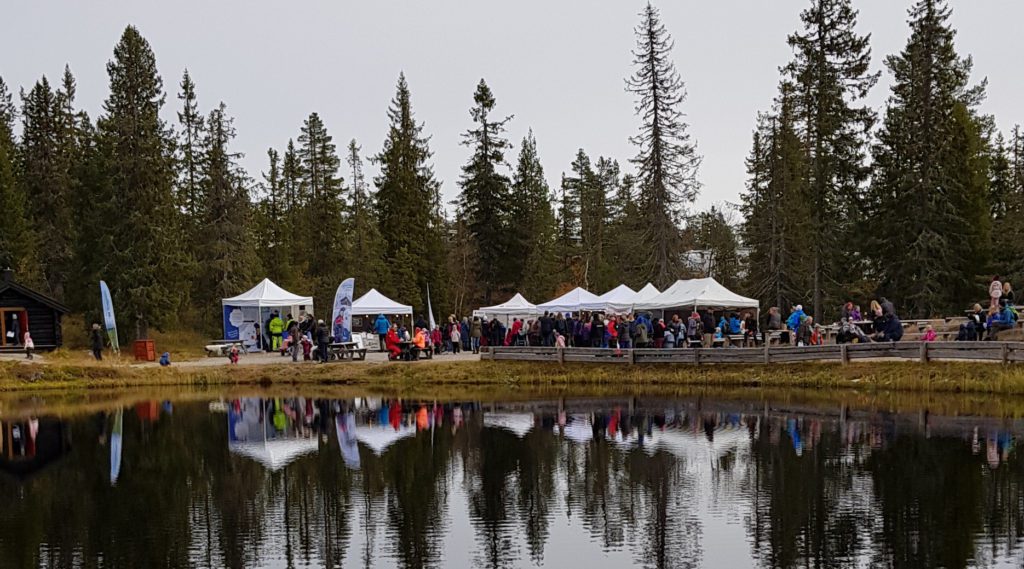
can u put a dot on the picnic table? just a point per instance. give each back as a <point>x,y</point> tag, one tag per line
<point>220,348</point>
<point>408,349</point>
<point>339,351</point>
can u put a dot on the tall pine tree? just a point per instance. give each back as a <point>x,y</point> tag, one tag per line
<point>190,158</point>
<point>485,194</point>
<point>321,192</point>
<point>929,185</point>
<point>535,266</point>
<point>369,269</point>
<point>224,246</point>
<point>667,160</point>
<point>409,204</point>
<point>143,256</point>
<point>16,243</point>
<point>831,77</point>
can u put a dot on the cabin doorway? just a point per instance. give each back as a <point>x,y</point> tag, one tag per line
<point>13,324</point>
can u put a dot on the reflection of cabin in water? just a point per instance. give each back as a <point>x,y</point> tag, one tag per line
<point>29,445</point>
<point>21,308</point>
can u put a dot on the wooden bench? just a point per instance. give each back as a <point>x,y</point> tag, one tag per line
<point>738,340</point>
<point>339,351</point>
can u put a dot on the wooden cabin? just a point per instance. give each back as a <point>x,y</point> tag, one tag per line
<point>21,308</point>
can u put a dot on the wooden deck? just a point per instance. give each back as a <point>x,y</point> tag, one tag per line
<point>998,352</point>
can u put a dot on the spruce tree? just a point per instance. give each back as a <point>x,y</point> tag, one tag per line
<point>369,269</point>
<point>47,169</point>
<point>568,245</point>
<point>321,192</point>
<point>775,228</point>
<point>269,218</point>
<point>485,194</point>
<point>16,243</point>
<point>533,233</point>
<point>831,77</point>
<point>190,159</point>
<point>667,160</point>
<point>927,191</point>
<point>144,257</point>
<point>409,203</point>
<point>224,245</point>
<point>1006,208</point>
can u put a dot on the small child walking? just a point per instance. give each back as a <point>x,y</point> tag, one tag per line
<point>233,354</point>
<point>456,339</point>
<point>30,346</point>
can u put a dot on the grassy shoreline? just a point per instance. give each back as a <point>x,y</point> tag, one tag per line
<point>943,388</point>
<point>939,377</point>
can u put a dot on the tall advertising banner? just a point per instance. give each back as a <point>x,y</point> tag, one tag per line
<point>108,317</point>
<point>341,318</point>
<point>430,310</point>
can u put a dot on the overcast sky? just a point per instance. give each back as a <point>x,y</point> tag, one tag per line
<point>558,66</point>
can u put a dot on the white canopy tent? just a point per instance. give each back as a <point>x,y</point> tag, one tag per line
<point>572,301</point>
<point>704,293</point>
<point>646,293</point>
<point>246,314</point>
<point>268,295</point>
<point>619,300</point>
<point>515,307</point>
<point>373,303</point>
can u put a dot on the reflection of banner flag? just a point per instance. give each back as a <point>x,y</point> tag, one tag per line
<point>430,310</point>
<point>108,316</point>
<point>341,318</point>
<point>115,447</point>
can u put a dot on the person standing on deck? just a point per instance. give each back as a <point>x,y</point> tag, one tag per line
<point>276,328</point>
<point>323,337</point>
<point>995,292</point>
<point>476,331</point>
<point>381,326</point>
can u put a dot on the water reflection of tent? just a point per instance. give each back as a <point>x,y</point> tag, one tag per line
<point>380,437</point>
<point>579,430</point>
<point>695,446</point>
<point>257,438</point>
<point>30,445</point>
<point>275,454</point>
<point>517,423</point>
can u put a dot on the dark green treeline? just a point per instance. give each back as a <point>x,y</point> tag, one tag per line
<point>921,202</point>
<point>920,207</point>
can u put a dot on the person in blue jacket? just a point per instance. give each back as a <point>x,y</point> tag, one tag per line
<point>381,326</point>
<point>735,326</point>
<point>794,320</point>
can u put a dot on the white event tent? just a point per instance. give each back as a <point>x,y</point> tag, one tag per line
<point>268,295</point>
<point>373,303</point>
<point>245,314</point>
<point>515,307</point>
<point>647,293</point>
<point>619,300</point>
<point>697,293</point>
<point>572,301</point>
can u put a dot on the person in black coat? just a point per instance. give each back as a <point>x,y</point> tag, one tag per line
<point>323,338</point>
<point>96,342</point>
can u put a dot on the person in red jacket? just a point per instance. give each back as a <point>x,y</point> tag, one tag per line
<point>391,343</point>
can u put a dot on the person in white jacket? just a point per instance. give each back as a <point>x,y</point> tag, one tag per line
<point>995,291</point>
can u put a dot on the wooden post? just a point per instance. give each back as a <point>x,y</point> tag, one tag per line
<point>561,355</point>
<point>696,355</point>
<point>767,353</point>
<point>844,353</point>
<point>1006,353</point>
<point>632,357</point>
<point>924,352</point>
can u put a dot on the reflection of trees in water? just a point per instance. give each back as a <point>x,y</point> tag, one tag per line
<point>930,493</point>
<point>806,510</point>
<point>667,530</point>
<point>491,490</point>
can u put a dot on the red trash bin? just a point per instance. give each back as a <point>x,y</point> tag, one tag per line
<point>145,350</point>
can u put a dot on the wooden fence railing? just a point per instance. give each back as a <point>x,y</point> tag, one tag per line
<point>1003,352</point>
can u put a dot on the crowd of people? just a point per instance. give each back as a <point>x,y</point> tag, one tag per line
<point>308,338</point>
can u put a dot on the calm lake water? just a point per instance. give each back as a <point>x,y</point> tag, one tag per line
<point>577,482</point>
